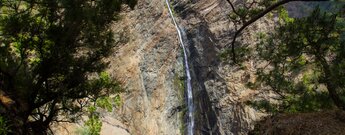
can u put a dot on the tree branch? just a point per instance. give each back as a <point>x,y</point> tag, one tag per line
<point>51,114</point>
<point>255,18</point>
<point>47,99</point>
<point>233,8</point>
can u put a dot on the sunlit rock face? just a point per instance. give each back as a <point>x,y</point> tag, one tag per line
<point>219,88</point>
<point>148,61</point>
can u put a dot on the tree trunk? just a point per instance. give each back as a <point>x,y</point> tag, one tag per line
<point>330,83</point>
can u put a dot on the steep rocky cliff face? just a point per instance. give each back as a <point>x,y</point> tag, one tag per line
<point>149,63</point>
<point>219,88</point>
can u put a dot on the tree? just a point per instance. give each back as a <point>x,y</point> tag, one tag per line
<point>306,61</point>
<point>51,59</point>
<point>247,15</point>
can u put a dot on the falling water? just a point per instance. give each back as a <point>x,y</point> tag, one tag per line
<point>190,104</point>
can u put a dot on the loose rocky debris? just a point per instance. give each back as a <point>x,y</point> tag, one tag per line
<point>315,123</point>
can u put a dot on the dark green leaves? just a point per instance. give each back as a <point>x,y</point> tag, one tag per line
<point>51,55</point>
<point>306,58</point>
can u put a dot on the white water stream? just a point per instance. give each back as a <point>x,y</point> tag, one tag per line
<point>190,120</point>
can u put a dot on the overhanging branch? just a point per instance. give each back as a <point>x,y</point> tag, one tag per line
<point>255,18</point>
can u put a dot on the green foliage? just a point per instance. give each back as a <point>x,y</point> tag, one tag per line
<point>93,125</point>
<point>179,83</point>
<point>263,105</point>
<point>247,9</point>
<point>224,55</point>
<point>242,54</point>
<point>284,16</point>
<point>303,102</point>
<point>117,100</point>
<point>307,102</point>
<point>4,126</point>
<point>252,85</point>
<point>171,3</point>
<point>51,55</point>
<point>105,103</point>
<point>306,62</point>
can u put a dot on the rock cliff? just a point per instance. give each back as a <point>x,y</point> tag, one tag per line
<point>149,63</point>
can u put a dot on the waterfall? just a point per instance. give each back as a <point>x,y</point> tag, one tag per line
<point>190,120</point>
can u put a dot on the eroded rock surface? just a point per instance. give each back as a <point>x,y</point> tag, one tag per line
<point>148,61</point>
<point>147,64</point>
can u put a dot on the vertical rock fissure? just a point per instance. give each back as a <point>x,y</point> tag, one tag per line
<point>190,120</point>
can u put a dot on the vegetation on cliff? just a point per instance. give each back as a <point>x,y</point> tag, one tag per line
<point>304,56</point>
<point>306,61</point>
<point>302,62</point>
<point>51,60</point>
